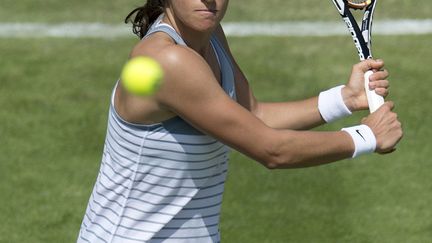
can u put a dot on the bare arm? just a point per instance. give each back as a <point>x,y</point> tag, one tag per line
<point>192,92</point>
<point>304,114</point>
<point>296,115</point>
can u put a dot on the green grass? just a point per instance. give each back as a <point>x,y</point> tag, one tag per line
<point>53,99</point>
<point>240,10</point>
<point>54,96</point>
<point>370,199</point>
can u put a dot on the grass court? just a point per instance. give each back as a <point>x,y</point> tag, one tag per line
<point>54,96</point>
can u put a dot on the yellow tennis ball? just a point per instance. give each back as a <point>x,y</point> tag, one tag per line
<point>142,76</point>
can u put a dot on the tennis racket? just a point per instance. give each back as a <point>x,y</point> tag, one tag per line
<point>362,38</point>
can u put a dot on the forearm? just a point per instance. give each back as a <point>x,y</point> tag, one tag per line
<point>296,149</point>
<point>296,115</point>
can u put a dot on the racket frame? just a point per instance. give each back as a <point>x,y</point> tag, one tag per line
<point>361,35</point>
<point>362,40</point>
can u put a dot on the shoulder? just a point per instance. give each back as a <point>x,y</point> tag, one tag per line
<point>154,45</point>
<point>170,55</point>
<point>185,71</point>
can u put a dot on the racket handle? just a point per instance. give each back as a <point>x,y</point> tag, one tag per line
<point>374,100</point>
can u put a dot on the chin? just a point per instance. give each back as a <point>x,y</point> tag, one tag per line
<point>206,25</point>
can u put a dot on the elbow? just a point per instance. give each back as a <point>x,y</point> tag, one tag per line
<point>271,165</point>
<point>275,159</point>
<point>274,163</point>
<point>277,150</point>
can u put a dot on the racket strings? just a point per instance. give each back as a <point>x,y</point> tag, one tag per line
<point>358,4</point>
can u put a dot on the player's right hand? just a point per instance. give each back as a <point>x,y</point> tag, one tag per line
<point>354,92</point>
<point>386,127</point>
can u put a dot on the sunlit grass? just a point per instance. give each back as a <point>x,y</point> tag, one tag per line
<point>54,96</point>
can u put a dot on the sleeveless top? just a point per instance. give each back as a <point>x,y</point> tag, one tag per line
<point>161,182</point>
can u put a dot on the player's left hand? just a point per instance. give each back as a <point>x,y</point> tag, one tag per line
<point>354,94</point>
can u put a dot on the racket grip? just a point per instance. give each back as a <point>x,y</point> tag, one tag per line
<point>374,100</point>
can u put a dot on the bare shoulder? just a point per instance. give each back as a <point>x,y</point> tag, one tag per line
<point>185,72</point>
<point>170,55</point>
<point>152,45</point>
<point>148,110</point>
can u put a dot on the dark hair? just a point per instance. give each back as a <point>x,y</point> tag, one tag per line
<point>145,16</point>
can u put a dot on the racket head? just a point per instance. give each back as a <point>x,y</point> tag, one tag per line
<point>359,4</point>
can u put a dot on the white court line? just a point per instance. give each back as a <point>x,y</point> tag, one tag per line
<point>303,28</point>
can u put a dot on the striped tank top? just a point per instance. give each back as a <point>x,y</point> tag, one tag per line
<point>162,182</point>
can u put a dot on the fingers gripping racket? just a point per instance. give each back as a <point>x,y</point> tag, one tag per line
<point>362,38</point>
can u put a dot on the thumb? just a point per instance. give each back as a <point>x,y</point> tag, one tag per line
<point>371,64</point>
<point>388,106</point>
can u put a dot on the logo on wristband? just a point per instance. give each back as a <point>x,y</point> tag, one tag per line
<point>358,131</point>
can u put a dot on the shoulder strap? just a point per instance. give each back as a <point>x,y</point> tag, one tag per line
<point>226,66</point>
<point>161,27</point>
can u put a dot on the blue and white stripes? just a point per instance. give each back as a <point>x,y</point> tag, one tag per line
<point>156,183</point>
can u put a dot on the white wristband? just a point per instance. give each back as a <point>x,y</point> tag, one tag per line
<point>331,104</point>
<point>364,139</point>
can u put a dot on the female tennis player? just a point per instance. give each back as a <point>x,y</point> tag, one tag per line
<point>165,157</point>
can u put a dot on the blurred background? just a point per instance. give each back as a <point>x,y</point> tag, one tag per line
<point>54,98</point>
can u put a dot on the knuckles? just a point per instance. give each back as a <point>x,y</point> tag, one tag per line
<point>393,116</point>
